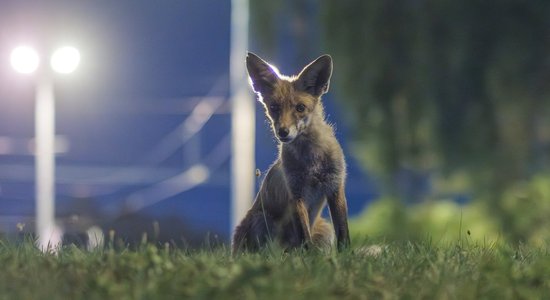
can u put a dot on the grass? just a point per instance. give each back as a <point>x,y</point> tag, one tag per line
<point>403,270</point>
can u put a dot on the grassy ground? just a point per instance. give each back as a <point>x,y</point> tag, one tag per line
<point>401,271</point>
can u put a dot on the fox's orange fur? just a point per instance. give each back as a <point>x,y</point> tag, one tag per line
<point>310,170</point>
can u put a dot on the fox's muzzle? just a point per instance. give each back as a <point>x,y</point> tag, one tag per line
<point>286,134</point>
<point>283,132</point>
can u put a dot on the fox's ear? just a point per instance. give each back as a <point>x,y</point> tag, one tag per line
<point>315,77</point>
<point>262,76</point>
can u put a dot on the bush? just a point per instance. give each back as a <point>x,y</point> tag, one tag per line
<point>526,206</point>
<point>441,221</point>
<point>522,216</point>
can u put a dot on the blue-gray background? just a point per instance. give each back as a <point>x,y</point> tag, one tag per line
<point>145,66</point>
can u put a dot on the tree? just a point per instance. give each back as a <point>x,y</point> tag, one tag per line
<point>455,87</point>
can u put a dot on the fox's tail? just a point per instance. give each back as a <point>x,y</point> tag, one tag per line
<point>322,234</point>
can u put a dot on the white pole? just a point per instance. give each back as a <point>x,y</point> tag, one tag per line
<point>45,163</point>
<point>242,116</point>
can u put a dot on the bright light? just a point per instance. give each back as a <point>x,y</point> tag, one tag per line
<point>24,60</point>
<point>65,60</point>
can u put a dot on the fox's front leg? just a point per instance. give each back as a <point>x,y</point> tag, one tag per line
<point>303,221</point>
<point>339,215</point>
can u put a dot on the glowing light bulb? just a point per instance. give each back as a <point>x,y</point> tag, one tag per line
<point>65,60</point>
<point>24,59</point>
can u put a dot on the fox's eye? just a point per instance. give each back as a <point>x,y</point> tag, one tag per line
<point>274,107</point>
<point>300,107</point>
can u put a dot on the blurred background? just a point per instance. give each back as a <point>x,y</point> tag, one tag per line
<point>442,107</point>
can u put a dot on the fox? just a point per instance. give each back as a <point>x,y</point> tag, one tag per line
<point>310,169</point>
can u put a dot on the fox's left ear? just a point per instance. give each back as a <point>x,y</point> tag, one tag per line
<point>315,77</point>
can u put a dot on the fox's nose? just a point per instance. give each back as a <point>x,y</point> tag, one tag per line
<point>283,132</point>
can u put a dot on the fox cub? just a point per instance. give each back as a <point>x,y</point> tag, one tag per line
<point>310,170</point>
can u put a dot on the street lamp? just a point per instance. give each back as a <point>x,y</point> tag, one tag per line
<point>64,60</point>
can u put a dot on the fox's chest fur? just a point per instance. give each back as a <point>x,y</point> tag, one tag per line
<point>313,170</point>
<point>311,162</point>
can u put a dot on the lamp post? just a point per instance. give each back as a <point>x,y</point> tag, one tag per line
<point>64,60</point>
<point>242,116</point>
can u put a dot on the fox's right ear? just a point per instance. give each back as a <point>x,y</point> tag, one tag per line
<point>262,76</point>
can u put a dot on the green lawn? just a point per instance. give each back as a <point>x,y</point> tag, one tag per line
<point>401,271</point>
